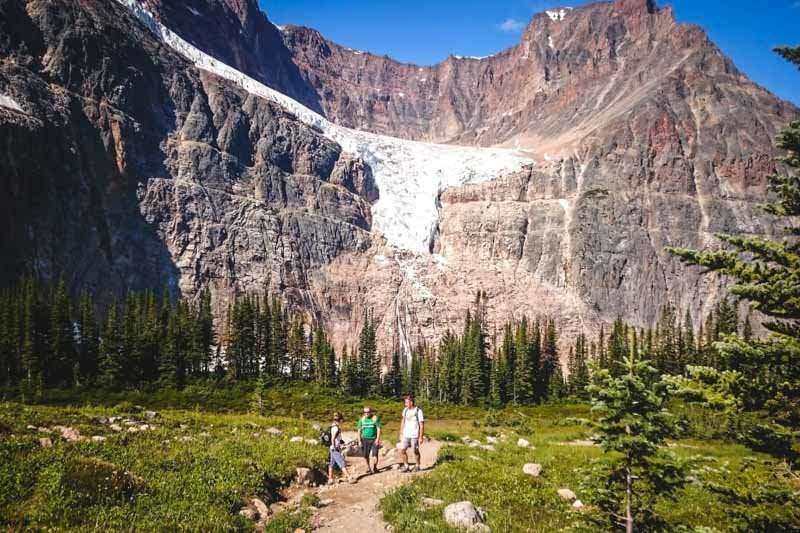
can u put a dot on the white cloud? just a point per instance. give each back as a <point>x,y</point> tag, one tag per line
<point>511,25</point>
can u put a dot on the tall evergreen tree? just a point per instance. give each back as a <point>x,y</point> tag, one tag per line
<point>767,274</point>
<point>111,358</point>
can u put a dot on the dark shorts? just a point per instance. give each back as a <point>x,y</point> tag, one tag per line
<point>369,447</point>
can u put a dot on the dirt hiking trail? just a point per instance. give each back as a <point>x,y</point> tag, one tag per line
<point>355,506</point>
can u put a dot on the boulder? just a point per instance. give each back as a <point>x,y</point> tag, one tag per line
<point>464,515</point>
<point>566,494</point>
<point>523,443</point>
<point>532,469</point>
<point>69,434</point>
<point>304,476</point>
<point>431,502</point>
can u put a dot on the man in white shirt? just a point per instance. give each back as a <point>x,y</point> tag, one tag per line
<point>412,431</point>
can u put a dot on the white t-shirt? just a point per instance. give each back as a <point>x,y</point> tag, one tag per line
<point>413,418</point>
<point>336,437</point>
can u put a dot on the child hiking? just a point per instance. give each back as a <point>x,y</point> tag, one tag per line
<point>412,431</point>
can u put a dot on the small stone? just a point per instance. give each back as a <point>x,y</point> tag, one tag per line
<point>463,515</point>
<point>261,507</point>
<point>326,502</point>
<point>532,469</point>
<point>274,431</point>
<point>577,504</point>
<point>296,439</point>
<point>523,443</point>
<point>32,428</point>
<point>566,494</point>
<point>475,458</point>
<point>150,415</point>
<point>115,427</point>
<point>133,429</point>
<point>431,502</point>
<point>474,444</point>
<point>69,434</point>
<point>98,438</point>
<point>43,430</point>
<point>310,442</point>
<point>184,427</point>
<point>491,440</point>
<point>488,447</point>
<point>249,513</point>
<point>45,442</point>
<point>187,438</point>
<point>205,435</point>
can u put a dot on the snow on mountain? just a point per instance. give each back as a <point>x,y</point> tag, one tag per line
<point>557,15</point>
<point>409,174</point>
<point>10,103</point>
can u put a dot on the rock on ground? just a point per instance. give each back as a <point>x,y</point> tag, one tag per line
<point>532,469</point>
<point>523,443</point>
<point>464,515</point>
<point>566,494</point>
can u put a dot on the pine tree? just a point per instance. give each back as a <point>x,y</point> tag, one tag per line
<point>297,349</point>
<point>394,379</point>
<point>550,365</point>
<point>111,363</point>
<point>369,367</point>
<point>579,368</point>
<point>634,424</point>
<point>61,338</point>
<point>767,274</point>
<point>88,342</point>
<point>33,360</point>
<point>523,373</point>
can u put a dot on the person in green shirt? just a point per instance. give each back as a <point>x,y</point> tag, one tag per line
<point>369,436</point>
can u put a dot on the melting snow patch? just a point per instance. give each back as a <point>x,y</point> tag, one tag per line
<point>193,11</point>
<point>409,174</point>
<point>550,41</point>
<point>558,14</point>
<point>10,103</point>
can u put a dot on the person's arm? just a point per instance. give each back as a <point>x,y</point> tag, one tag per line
<point>358,429</point>
<point>421,424</point>
<point>378,439</point>
<point>402,422</point>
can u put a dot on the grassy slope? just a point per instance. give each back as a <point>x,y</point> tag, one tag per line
<point>517,502</point>
<point>200,482</point>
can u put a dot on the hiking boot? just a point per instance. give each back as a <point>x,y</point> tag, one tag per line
<point>404,469</point>
<point>414,468</point>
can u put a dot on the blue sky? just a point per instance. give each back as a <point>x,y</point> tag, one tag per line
<point>426,31</point>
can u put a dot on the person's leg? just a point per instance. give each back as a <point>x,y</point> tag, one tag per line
<point>375,455</point>
<point>330,468</point>
<point>365,448</point>
<point>405,443</point>
<point>417,455</point>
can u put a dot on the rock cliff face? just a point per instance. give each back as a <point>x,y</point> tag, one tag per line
<point>127,166</point>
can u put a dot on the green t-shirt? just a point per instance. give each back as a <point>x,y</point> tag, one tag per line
<point>368,426</point>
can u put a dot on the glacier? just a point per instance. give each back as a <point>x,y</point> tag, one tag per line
<point>410,175</point>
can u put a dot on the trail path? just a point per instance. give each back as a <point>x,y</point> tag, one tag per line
<point>355,507</point>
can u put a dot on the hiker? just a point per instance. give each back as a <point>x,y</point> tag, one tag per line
<point>412,431</point>
<point>336,457</point>
<point>369,437</point>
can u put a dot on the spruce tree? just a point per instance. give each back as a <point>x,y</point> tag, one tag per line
<point>766,272</point>
<point>61,339</point>
<point>111,363</point>
<point>88,342</point>
<point>634,425</point>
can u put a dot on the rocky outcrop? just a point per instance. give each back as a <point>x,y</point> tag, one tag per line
<point>128,168</point>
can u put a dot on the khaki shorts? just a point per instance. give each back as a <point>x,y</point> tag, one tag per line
<point>409,443</point>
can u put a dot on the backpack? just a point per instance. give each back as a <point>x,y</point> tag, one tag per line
<point>325,437</point>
